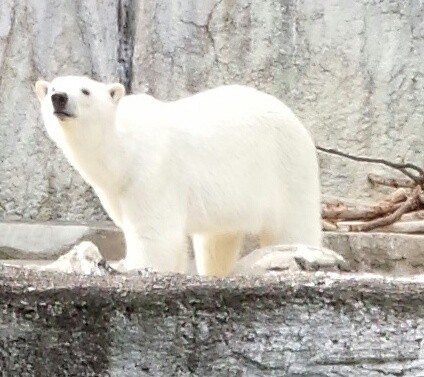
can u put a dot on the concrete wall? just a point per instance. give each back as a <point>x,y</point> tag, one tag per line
<point>155,325</point>
<point>352,70</point>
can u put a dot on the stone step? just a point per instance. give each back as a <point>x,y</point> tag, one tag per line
<point>377,252</point>
<point>19,240</point>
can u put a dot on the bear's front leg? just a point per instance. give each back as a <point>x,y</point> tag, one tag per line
<point>153,218</point>
<point>163,251</point>
<point>167,254</point>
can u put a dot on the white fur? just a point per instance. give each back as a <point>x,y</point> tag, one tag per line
<point>215,166</point>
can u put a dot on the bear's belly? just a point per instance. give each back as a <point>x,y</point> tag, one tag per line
<point>245,211</point>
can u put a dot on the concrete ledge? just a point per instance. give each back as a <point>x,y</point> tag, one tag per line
<point>295,324</point>
<point>398,254</point>
<point>20,240</point>
<point>371,252</point>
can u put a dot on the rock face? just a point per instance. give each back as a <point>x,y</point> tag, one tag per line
<point>156,325</point>
<point>44,39</point>
<point>351,70</point>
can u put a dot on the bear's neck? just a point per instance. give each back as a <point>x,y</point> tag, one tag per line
<point>97,155</point>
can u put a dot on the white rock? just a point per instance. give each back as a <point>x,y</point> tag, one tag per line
<point>288,257</point>
<point>83,258</point>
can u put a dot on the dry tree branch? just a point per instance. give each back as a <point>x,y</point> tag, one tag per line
<point>391,214</point>
<point>336,209</point>
<point>401,167</point>
<point>329,226</point>
<point>410,204</point>
<point>409,227</point>
<point>376,179</point>
<point>397,196</point>
<point>412,216</point>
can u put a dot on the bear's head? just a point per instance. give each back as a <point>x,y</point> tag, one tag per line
<point>73,105</point>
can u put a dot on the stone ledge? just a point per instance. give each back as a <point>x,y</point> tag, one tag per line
<point>21,240</point>
<point>391,253</point>
<point>370,252</point>
<point>296,324</point>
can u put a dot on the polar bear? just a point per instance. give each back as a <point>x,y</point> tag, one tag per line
<point>215,165</point>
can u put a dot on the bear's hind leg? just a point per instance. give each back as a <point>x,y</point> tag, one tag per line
<point>270,238</point>
<point>216,254</point>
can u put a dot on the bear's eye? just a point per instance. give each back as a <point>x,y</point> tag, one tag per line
<point>86,92</point>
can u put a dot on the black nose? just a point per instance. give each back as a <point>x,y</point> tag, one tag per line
<point>59,101</point>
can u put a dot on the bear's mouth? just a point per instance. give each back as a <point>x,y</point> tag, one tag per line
<point>63,115</point>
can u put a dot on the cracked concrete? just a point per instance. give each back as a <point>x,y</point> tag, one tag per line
<point>126,13</point>
<point>352,71</point>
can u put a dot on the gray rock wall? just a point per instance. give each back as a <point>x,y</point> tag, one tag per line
<point>44,39</point>
<point>352,70</point>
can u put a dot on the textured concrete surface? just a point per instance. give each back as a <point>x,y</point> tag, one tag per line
<point>398,254</point>
<point>352,70</point>
<point>152,325</point>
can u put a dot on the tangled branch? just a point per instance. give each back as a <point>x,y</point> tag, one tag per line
<point>418,179</point>
<point>401,211</point>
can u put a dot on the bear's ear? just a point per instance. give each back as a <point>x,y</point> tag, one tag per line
<point>41,88</point>
<point>116,91</point>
